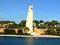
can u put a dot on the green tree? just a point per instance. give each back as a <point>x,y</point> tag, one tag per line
<point>36,23</point>
<point>53,23</point>
<point>13,26</point>
<point>50,31</point>
<point>25,29</point>
<point>9,31</point>
<point>2,22</point>
<point>41,21</point>
<point>20,32</point>
<point>22,23</point>
<point>47,24</point>
<point>58,31</point>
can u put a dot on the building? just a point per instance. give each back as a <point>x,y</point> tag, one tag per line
<point>5,24</point>
<point>39,31</point>
<point>29,21</point>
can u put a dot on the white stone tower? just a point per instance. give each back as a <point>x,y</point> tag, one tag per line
<point>29,21</point>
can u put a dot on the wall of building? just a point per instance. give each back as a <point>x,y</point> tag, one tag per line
<point>39,31</point>
<point>2,30</point>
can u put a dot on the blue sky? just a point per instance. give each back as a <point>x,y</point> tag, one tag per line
<point>16,10</point>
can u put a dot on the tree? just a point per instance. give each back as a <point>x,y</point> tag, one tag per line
<point>36,23</point>
<point>41,24</point>
<point>47,24</point>
<point>2,22</point>
<point>22,23</point>
<point>53,23</point>
<point>13,26</point>
<point>41,21</point>
<point>9,31</point>
<point>25,30</point>
<point>50,31</point>
<point>20,32</point>
<point>58,31</point>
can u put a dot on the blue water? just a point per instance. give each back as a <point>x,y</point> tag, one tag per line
<point>29,41</point>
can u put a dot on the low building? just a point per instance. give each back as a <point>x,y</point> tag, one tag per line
<point>5,24</point>
<point>2,30</point>
<point>39,31</point>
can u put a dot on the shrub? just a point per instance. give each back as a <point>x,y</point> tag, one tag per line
<point>9,31</point>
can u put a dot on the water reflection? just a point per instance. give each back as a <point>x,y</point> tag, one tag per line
<point>30,41</point>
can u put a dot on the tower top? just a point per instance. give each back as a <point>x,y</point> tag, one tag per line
<point>30,7</point>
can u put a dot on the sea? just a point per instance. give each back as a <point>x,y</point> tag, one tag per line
<point>29,41</point>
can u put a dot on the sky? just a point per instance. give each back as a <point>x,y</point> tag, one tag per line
<point>17,10</point>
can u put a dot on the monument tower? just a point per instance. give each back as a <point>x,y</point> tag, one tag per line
<point>29,21</point>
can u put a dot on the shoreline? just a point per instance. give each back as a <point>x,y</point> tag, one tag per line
<point>47,36</point>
